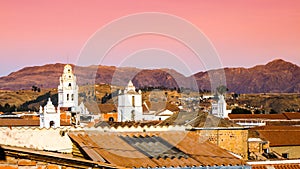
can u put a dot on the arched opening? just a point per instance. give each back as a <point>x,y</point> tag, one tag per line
<point>69,84</point>
<point>132,115</point>
<point>67,97</point>
<point>111,119</point>
<point>51,123</point>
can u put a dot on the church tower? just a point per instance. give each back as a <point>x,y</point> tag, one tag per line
<point>130,104</point>
<point>218,108</point>
<point>68,89</point>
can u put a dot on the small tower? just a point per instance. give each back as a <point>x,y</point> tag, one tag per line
<point>68,89</point>
<point>49,117</point>
<point>130,104</point>
<point>218,108</point>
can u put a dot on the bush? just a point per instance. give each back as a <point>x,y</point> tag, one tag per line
<point>240,111</point>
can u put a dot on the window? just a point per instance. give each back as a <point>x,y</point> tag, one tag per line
<point>111,119</point>
<point>72,97</point>
<point>69,70</point>
<point>132,115</point>
<point>69,84</point>
<point>285,155</point>
<point>67,97</point>
<point>133,101</point>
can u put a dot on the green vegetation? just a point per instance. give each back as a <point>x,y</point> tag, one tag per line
<point>240,111</point>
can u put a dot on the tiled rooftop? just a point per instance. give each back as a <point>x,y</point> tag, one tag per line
<point>280,135</point>
<point>107,108</point>
<point>127,123</point>
<point>257,116</point>
<point>277,166</point>
<point>197,119</point>
<point>281,116</point>
<point>4,122</point>
<point>152,149</point>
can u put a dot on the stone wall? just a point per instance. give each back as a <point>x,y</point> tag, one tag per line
<point>232,140</point>
<point>293,151</point>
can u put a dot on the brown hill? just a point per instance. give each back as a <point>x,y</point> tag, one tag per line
<point>276,76</point>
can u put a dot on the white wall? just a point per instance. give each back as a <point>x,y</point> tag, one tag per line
<point>36,138</point>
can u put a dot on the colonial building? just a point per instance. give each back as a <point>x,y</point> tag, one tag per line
<point>67,100</point>
<point>49,116</point>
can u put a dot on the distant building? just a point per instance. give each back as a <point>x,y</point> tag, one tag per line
<point>218,107</point>
<point>252,120</point>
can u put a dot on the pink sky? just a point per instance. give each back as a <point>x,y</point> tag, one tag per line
<point>244,33</point>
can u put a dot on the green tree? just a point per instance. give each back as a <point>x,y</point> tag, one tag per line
<point>272,111</point>
<point>222,89</point>
<point>240,111</point>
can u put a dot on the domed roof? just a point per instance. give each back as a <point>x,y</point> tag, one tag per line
<point>68,69</point>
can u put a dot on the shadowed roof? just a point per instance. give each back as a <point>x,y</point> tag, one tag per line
<point>152,149</point>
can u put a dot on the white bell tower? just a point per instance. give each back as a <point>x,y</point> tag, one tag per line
<point>130,104</point>
<point>68,89</point>
<point>218,108</point>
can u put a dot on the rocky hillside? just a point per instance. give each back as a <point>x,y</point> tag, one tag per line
<point>276,76</point>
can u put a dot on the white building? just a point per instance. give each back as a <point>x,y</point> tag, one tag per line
<point>49,116</point>
<point>130,107</point>
<point>130,104</point>
<point>68,89</point>
<point>218,108</point>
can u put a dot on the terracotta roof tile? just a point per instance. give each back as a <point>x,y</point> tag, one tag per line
<point>107,108</point>
<point>257,116</point>
<point>277,166</point>
<point>280,135</point>
<point>169,149</point>
<point>292,115</point>
<point>24,122</point>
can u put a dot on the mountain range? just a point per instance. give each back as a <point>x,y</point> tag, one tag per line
<point>277,76</point>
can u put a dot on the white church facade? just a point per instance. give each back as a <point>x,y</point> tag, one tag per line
<point>49,116</point>
<point>218,107</point>
<point>130,106</point>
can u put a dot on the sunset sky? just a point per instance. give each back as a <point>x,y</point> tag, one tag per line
<point>244,33</point>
